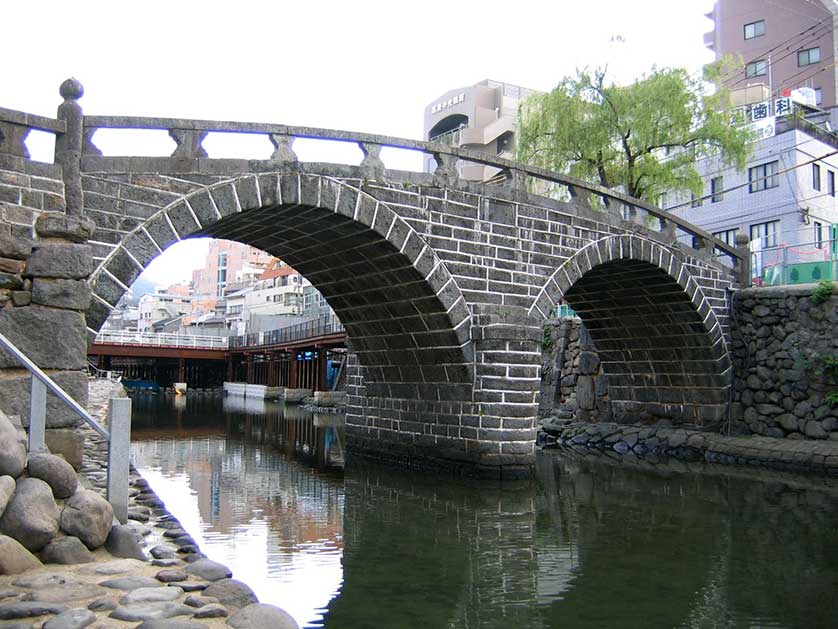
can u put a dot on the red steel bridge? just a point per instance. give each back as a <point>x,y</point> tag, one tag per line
<point>296,356</point>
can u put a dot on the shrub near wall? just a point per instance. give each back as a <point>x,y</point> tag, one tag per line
<point>785,353</point>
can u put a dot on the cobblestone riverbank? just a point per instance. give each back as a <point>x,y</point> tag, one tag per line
<point>151,575</point>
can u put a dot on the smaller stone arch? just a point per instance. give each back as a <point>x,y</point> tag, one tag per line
<point>660,343</point>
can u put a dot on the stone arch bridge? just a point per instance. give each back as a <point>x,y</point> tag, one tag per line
<point>442,284</point>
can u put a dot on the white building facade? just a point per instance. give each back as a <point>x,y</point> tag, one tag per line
<point>784,201</point>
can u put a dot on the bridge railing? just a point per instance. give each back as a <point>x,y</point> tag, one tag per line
<point>189,135</point>
<point>118,433</point>
<point>124,337</point>
<point>298,332</point>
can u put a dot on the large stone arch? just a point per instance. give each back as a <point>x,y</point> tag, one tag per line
<point>402,310</point>
<point>661,344</point>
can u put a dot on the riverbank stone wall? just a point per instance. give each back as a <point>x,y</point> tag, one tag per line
<point>785,356</point>
<point>785,368</point>
<point>573,384</point>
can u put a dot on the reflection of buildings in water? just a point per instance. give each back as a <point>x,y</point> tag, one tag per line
<point>241,404</point>
<point>297,433</point>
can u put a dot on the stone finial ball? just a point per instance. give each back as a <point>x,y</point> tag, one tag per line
<point>741,239</point>
<point>71,89</point>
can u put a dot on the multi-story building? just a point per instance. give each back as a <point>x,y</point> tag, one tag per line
<point>227,262</point>
<point>482,117</point>
<point>784,45</point>
<point>278,291</point>
<point>784,201</point>
<point>161,305</point>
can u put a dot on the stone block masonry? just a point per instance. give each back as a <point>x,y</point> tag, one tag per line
<point>49,329</point>
<point>442,285</point>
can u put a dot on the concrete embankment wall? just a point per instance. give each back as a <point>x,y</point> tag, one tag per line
<point>784,351</point>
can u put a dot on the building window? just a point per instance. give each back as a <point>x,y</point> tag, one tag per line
<point>816,176</point>
<point>728,236</point>
<point>756,68</point>
<point>663,200</point>
<point>818,96</point>
<point>766,233</point>
<point>830,182</point>
<point>763,177</point>
<point>696,201</point>
<point>809,56</point>
<point>755,29</point>
<point>716,188</point>
<point>818,235</point>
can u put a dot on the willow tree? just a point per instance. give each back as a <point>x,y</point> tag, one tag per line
<point>641,138</point>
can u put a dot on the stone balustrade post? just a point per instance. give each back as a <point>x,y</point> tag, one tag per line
<point>743,264</point>
<point>68,145</point>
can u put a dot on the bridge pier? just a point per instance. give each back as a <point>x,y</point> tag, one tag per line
<point>486,428</point>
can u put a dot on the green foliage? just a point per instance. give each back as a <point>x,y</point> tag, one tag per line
<point>823,292</point>
<point>547,340</point>
<point>832,398</point>
<point>617,136</point>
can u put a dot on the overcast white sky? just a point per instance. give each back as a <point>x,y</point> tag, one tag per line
<point>365,65</point>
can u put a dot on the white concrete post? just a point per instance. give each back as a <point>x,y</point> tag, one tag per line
<point>119,451</point>
<point>37,416</point>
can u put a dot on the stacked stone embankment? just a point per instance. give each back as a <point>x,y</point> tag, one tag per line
<point>785,350</point>
<point>78,578</point>
<point>656,443</point>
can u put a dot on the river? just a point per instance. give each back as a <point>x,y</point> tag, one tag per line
<point>589,542</point>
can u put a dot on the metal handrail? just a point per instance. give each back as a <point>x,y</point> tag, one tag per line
<point>162,339</point>
<point>118,437</point>
<point>49,383</point>
<point>296,332</point>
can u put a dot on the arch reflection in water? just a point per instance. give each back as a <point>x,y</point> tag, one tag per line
<point>588,543</point>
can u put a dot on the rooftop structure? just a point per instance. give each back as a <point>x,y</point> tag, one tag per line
<point>784,45</point>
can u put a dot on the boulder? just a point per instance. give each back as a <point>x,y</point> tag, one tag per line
<point>66,550</point>
<point>68,443</point>
<point>209,570</point>
<point>88,516</point>
<point>31,516</point>
<point>122,542</point>
<point>262,616</point>
<point>71,619</point>
<point>13,454</point>
<point>151,595</point>
<point>7,489</point>
<point>14,558</point>
<point>231,593</point>
<point>54,471</point>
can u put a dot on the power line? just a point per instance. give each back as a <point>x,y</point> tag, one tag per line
<point>753,181</point>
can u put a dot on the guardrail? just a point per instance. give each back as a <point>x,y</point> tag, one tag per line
<point>802,263</point>
<point>289,334</point>
<point>123,337</point>
<point>118,437</point>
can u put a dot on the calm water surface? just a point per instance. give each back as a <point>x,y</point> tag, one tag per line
<point>590,542</point>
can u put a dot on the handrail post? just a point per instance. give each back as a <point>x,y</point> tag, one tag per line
<point>743,263</point>
<point>119,452</point>
<point>37,416</point>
